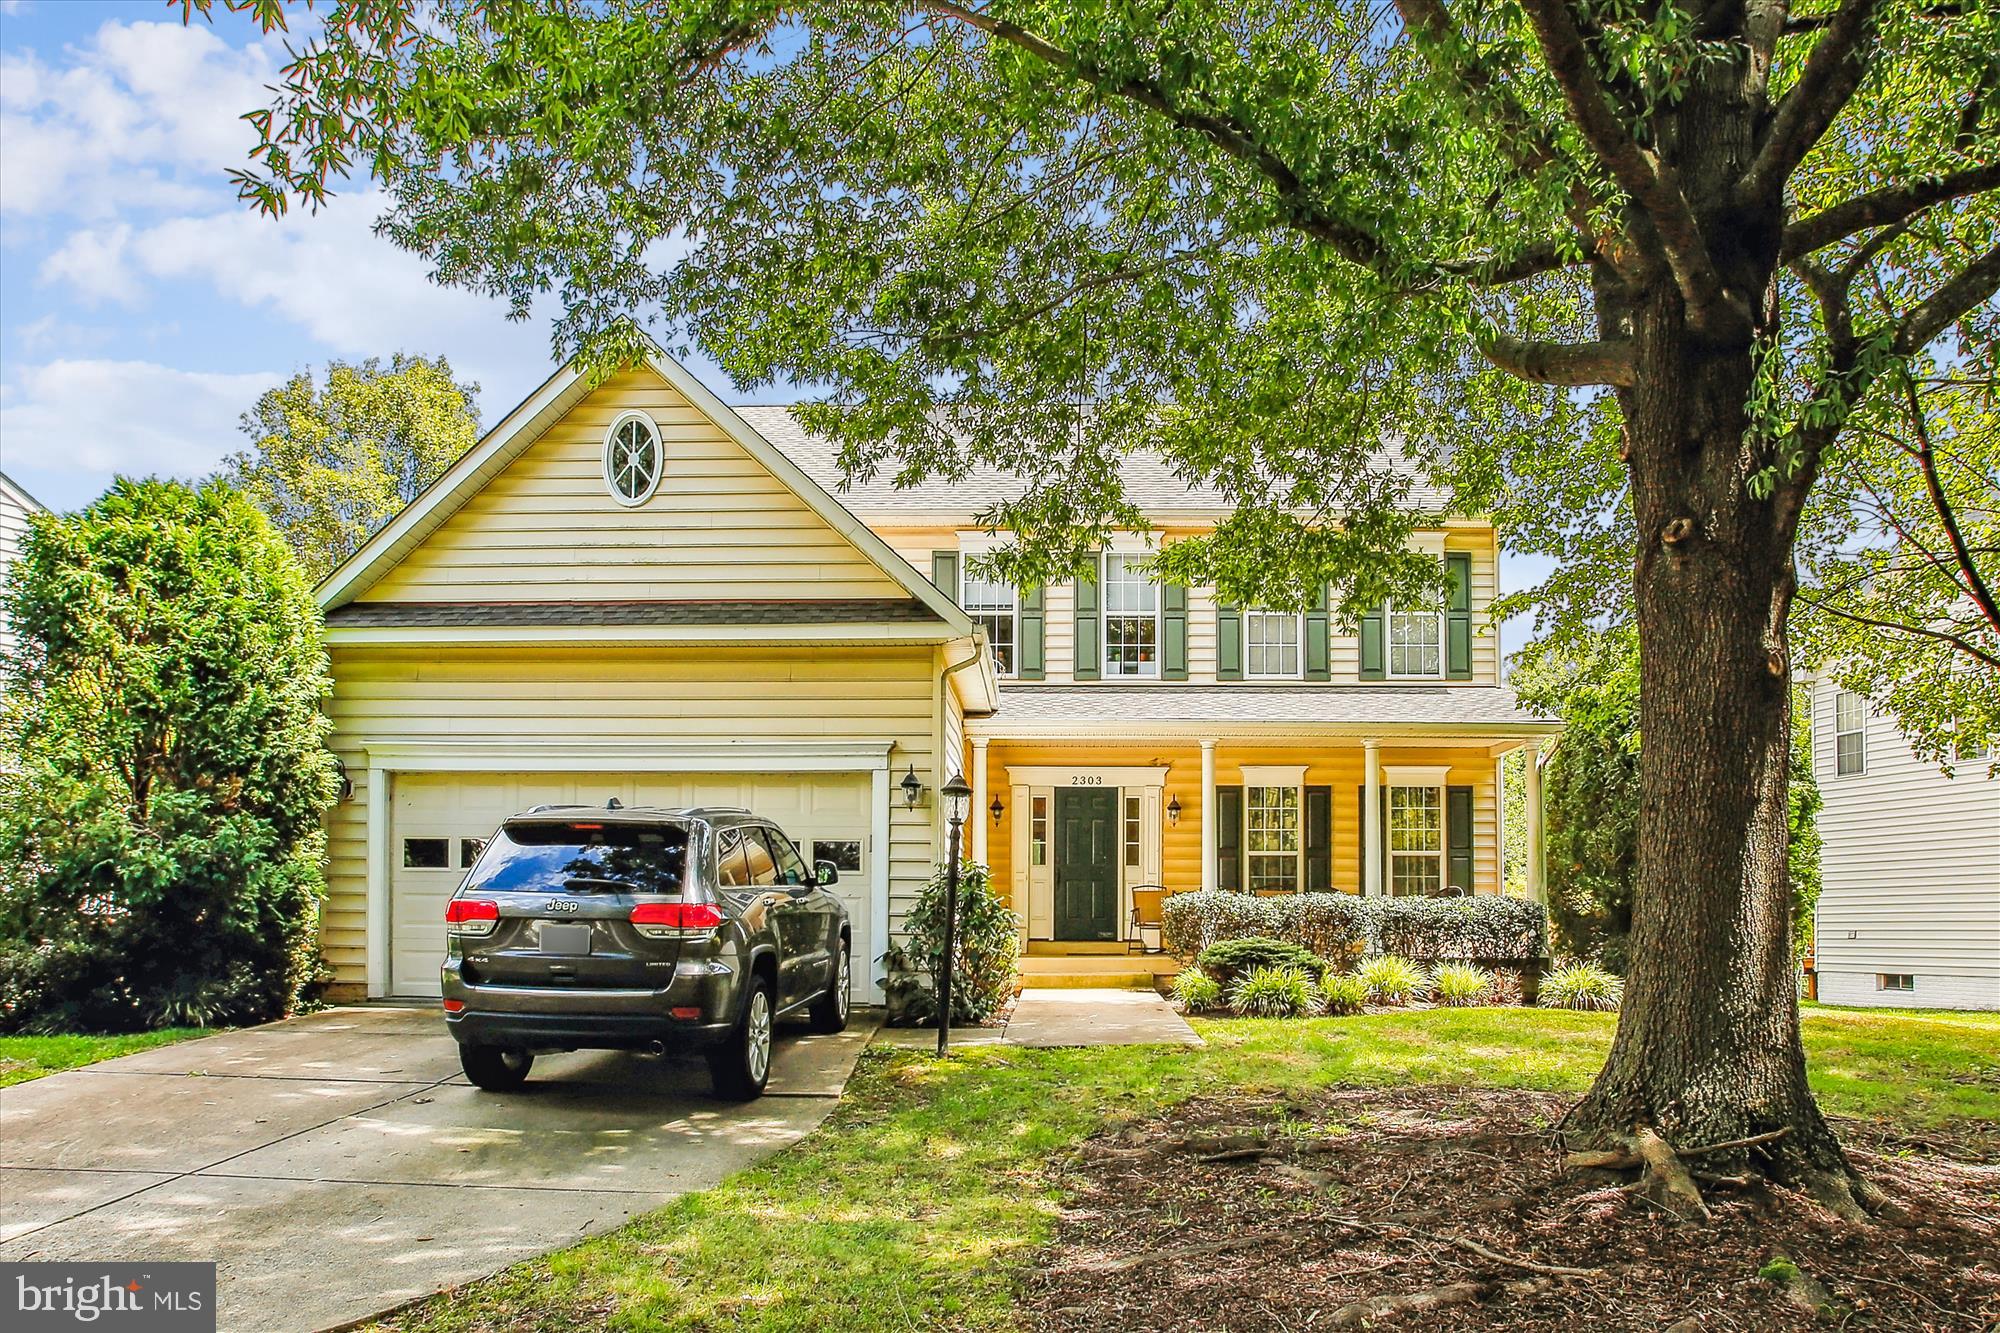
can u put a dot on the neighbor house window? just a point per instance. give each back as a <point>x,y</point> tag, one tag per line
<point>1416,642</point>
<point>1416,840</point>
<point>1850,733</point>
<point>993,605</point>
<point>1895,981</point>
<point>1271,644</point>
<point>1271,838</point>
<point>1131,618</point>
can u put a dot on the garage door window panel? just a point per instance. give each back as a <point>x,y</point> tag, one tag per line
<point>426,853</point>
<point>844,853</point>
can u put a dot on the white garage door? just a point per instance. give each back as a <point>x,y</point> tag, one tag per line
<point>442,819</point>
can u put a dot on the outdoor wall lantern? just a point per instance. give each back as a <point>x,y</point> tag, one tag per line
<point>913,790</point>
<point>997,809</point>
<point>1173,811</point>
<point>346,783</point>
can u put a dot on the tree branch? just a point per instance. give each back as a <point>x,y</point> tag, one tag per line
<point>1798,23</point>
<point>1976,282</point>
<point>1353,243</point>
<point>1923,631</point>
<point>1883,207</point>
<point>1651,182</point>
<point>1573,365</point>
<point>1831,74</point>
<point>1970,577</point>
<point>1525,143</point>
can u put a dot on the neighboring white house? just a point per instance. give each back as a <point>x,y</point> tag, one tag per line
<point>15,506</point>
<point>1909,915</point>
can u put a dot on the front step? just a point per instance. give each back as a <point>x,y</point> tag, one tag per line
<point>1121,971</point>
<point>1089,981</point>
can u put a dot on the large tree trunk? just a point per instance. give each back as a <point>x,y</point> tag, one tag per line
<point>1708,1048</point>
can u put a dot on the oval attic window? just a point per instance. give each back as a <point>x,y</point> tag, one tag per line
<point>632,459</point>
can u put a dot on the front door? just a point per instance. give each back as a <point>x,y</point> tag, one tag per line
<point>1086,887</point>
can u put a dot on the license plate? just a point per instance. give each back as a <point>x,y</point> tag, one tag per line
<point>565,939</point>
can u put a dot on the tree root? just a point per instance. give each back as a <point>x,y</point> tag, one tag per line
<point>1369,1309</point>
<point>1666,1172</point>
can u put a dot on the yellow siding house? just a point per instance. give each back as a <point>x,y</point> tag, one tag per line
<point>631,590</point>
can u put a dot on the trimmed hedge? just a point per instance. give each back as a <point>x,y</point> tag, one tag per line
<point>1341,926</point>
<point>1431,930</point>
<point>1226,960</point>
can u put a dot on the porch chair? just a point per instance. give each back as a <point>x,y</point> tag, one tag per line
<point>1147,919</point>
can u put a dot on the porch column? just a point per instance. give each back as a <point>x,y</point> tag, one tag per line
<point>1371,818</point>
<point>979,814</point>
<point>1538,887</point>
<point>1208,879</point>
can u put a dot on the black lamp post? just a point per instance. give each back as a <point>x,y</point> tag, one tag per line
<point>957,799</point>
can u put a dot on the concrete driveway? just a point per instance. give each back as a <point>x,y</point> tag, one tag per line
<point>339,1164</point>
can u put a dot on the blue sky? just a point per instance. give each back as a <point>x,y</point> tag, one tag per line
<point>142,307</point>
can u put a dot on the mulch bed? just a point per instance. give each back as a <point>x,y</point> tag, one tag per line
<point>1247,1214</point>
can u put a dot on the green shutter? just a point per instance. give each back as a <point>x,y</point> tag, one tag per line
<point>944,573</point>
<point>1458,617</point>
<point>1371,647</point>
<point>1458,838</point>
<point>1319,840</point>
<point>1029,666</point>
<point>1229,837</point>
<point>1228,643</point>
<point>1174,608</point>
<point>1317,649</point>
<point>1089,663</point>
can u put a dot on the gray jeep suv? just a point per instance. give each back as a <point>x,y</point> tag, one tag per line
<point>640,929</point>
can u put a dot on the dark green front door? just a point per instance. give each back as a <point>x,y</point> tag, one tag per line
<point>1087,864</point>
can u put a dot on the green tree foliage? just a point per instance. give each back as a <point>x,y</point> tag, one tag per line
<point>160,838</point>
<point>332,462</point>
<point>1590,796</point>
<point>1900,595</point>
<point>985,942</point>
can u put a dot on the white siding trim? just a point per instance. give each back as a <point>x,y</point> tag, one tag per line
<point>526,756</point>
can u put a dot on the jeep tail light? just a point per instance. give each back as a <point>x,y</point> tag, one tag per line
<point>664,921</point>
<point>471,916</point>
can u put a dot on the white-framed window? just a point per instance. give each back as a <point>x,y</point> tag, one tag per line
<point>1895,981</point>
<point>996,606</point>
<point>1416,841</point>
<point>1131,617</point>
<point>1271,839</point>
<point>1850,733</point>
<point>633,459</point>
<point>1271,644</point>
<point>1415,642</point>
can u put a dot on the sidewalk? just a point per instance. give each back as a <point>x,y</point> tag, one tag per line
<point>1068,1017</point>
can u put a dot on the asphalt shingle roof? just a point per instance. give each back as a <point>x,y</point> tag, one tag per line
<point>1331,705</point>
<point>431,615</point>
<point>1149,482</point>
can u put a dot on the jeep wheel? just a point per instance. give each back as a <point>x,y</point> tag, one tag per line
<point>742,1064</point>
<point>829,1011</point>
<point>495,1068</point>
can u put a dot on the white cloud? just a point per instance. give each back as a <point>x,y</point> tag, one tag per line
<point>141,115</point>
<point>93,263</point>
<point>139,417</point>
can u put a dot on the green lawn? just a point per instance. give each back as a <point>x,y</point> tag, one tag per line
<point>23,1058</point>
<point>912,1206</point>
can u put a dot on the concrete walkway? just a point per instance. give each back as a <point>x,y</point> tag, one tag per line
<point>1068,1017</point>
<point>339,1164</point>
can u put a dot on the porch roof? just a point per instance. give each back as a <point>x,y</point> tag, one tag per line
<point>1051,712</point>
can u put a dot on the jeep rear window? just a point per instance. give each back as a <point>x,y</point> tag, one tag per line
<point>551,856</point>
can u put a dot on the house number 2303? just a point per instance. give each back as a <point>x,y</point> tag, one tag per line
<point>1086,780</point>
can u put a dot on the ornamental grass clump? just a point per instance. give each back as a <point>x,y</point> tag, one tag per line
<point>1393,980</point>
<point>1345,993</point>
<point>1581,986</point>
<point>1197,991</point>
<point>1277,992</point>
<point>1457,984</point>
